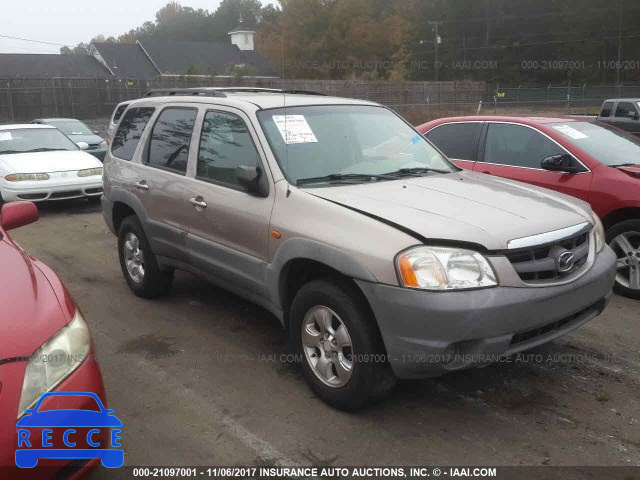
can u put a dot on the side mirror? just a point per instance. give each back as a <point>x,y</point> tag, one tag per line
<point>96,132</point>
<point>252,180</point>
<point>634,115</point>
<point>83,145</point>
<point>18,214</point>
<point>560,163</point>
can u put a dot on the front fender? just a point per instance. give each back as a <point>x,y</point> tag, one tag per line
<point>302,248</point>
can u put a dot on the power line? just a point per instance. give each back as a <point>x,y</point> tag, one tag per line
<point>35,41</point>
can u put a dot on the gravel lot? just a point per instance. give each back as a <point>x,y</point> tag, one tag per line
<point>197,378</point>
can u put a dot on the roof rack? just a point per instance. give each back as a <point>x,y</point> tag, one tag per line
<point>220,91</point>
<point>194,92</point>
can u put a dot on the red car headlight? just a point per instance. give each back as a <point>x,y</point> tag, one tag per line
<point>55,361</point>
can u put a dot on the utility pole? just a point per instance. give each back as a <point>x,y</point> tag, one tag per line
<point>436,41</point>
<point>619,42</point>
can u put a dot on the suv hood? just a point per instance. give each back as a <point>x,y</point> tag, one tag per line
<point>463,206</point>
<point>31,312</point>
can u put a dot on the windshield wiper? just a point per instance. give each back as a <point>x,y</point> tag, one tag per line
<point>411,172</point>
<point>42,149</point>
<point>343,176</point>
<point>625,165</point>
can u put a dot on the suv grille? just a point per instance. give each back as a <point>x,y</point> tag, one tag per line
<point>551,262</point>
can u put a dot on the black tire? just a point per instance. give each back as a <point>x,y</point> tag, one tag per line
<point>154,282</point>
<point>371,377</point>
<point>627,226</point>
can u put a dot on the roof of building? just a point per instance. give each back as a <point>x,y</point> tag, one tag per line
<point>30,65</point>
<point>125,59</point>
<point>204,58</point>
<point>241,29</point>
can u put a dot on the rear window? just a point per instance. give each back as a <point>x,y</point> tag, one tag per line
<point>457,140</point>
<point>126,139</point>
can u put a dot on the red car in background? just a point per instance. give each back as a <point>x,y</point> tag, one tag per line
<point>45,345</point>
<point>577,156</point>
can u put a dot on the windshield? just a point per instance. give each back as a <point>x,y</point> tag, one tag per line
<point>347,141</point>
<point>34,140</point>
<point>606,144</point>
<point>70,127</point>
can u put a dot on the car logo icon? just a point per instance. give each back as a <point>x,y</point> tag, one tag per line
<point>37,426</point>
<point>565,261</point>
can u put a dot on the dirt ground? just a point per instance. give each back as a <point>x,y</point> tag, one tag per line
<point>198,378</point>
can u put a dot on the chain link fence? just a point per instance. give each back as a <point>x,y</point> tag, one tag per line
<point>86,98</point>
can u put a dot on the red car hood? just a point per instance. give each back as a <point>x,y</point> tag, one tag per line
<point>33,303</point>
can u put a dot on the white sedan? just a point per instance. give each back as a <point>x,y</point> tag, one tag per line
<point>39,162</point>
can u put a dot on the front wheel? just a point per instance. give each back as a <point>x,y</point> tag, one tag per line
<point>138,263</point>
<point>624,239</point>
<point>337,340</point>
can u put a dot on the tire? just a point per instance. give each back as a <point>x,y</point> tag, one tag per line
<point>341,302</point>
<point>624,238</point>
<point>151,282</point>
<point>95,200</point>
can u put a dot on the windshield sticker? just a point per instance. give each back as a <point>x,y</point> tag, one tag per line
<point>570,132</point>
<point>294,129</point>
<point>4,136</point>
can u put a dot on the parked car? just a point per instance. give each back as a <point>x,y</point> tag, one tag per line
<point>593,161</point>
<point>45,345</point>
<point>79,133</point>
<point>622,113</point>
<point>370,247</point>
<point>115,118</point>
<point>38,162</point>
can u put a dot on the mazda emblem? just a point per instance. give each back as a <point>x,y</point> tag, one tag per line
<point>565,262</point>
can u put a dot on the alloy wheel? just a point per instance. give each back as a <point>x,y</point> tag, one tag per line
<point>134,257</point>
<point>327,346</point>
<point>627,248</point>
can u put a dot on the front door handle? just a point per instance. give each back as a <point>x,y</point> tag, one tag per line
<point>198,202</point>
<point>141,185</point>
<point>487,172</point>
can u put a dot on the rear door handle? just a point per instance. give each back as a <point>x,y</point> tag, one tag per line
<point>198,202</point>
<point>141,185</point>
<point>487,172</point>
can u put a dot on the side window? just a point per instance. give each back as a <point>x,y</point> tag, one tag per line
<point>118,113</point>
<point>457,140</point>
<point>607,107</point>
<point>518,146</point>
<point>170,139</point>
<point>225,144</point>
<point>129,132</point>
<point>626,110</point>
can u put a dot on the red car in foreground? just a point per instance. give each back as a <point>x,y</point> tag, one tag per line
<point>45,345</point>
<point>577,156</point>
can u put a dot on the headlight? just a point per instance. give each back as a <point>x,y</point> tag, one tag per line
<point>103,145</point>
<point>55,361</point>
<point>90,172</point>
<point>26,177</point>
<point>443,268</point>
<point>598,233</point>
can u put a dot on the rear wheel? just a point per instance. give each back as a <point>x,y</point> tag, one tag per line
<point>624,239</point>
<point>138,263</point>
<point>336,337</point>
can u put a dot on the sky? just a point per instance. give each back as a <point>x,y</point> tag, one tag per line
<point>69,22</point>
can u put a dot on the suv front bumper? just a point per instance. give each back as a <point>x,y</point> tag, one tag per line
<point>430,333</point>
